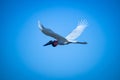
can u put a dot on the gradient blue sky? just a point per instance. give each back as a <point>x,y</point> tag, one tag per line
<point>24,58</point>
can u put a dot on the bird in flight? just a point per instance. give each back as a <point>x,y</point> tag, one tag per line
<point>60,40</point>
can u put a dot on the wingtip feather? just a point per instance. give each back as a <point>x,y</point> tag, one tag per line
<point>83,22</point>
<point>39,25</point>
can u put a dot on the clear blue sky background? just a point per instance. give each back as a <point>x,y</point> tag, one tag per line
<point>24,58</point>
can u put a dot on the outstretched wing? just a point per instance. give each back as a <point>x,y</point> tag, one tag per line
<point>77,31</point>
<point>50,33</point>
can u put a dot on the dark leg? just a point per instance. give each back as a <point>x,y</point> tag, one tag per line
<point>82,42</point>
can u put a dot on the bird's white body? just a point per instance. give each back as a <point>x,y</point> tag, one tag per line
<point>68,39</point>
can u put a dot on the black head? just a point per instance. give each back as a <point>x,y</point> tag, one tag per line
<point>53,43</point>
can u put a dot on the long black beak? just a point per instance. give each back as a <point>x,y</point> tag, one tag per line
<point>50,42</point>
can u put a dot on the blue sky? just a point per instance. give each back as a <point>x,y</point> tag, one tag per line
<point>23,56</point>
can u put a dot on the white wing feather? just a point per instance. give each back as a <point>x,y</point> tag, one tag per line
<point>77,31</point>
<point>50,33</point>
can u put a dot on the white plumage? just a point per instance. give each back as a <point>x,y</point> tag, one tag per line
<point>77,31</point>
<point>68,39</point>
